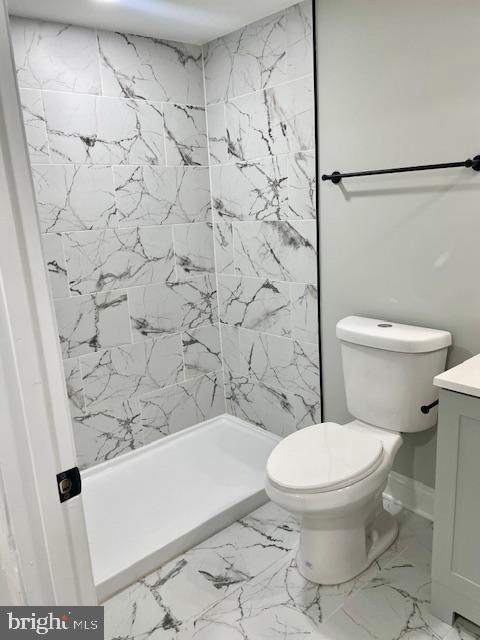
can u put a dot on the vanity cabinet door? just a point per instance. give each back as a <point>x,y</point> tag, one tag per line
<point>456,545</point>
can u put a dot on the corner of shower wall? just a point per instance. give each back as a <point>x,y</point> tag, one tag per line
<point>259,96</point>
<point>118,148</point>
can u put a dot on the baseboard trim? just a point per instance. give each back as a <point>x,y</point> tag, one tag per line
<point>411,494</point>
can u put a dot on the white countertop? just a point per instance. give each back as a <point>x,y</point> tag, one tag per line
<point>464,378</point>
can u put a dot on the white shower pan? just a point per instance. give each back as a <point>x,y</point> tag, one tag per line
<point>147,506</point>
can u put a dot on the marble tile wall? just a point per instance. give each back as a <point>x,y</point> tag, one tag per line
<point>260,122</point>
<point>165,174</point>
<point>116,130</point>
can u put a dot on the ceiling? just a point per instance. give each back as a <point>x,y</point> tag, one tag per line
<point>192,21</point>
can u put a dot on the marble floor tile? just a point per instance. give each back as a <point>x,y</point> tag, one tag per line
<point>161,603</point>
<point>414,540</point>
<point>243,584</point>
<point>279,603</point>
<point>460,631</point>
<point>394,604</point>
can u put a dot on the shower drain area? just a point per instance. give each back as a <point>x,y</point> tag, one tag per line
<point>150,505</point>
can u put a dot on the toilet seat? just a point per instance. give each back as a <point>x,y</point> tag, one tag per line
<point>323,457</point>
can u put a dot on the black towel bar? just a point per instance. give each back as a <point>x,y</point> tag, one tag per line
<point>336,176</point>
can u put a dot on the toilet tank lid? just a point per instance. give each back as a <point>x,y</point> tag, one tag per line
<point>391,336</point>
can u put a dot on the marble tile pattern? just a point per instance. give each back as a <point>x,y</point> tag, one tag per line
<point>116,131</point>
<point>243,584</point>
<point>163,172</point>
<point>150,195</point>
<point>185,134</point>
<point>174,408</point>
<point>260,122</point>
<point>107,259</point>
<point>55,57</point>
<point>74,197</point>
<point>202,351</point>
<point>35,127</point>
<point>194,249</point>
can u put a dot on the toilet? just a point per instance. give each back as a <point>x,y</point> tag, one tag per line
<point>332,476</point>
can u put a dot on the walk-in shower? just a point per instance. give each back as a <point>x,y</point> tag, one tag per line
<point>176,200</point>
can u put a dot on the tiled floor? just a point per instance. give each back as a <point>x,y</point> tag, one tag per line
<point>242,584</point>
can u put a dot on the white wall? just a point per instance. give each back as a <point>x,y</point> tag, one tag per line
<point>399,84</point>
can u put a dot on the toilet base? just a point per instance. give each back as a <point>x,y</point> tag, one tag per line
<point>346,548</point>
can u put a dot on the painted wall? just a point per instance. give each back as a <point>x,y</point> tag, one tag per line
<point>397,86</point>
<point>260,116</point>
<point>117,137</point>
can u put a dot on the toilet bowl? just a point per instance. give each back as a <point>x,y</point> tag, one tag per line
<point>344,525</point>
<point>332,476</point>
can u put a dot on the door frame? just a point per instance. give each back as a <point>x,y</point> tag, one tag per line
<point>44,553</point>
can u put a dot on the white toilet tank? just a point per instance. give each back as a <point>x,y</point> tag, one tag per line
<point>388,370</point>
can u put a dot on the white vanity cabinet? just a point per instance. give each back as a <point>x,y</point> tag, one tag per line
<point>456,539</point>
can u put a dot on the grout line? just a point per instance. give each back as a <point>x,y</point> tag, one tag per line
<point>175,102</point>
<point>215,261</point>
<point>166,225</point>
<point>164,140</point>
<point>99,62</point>
<point>273,335</point>
<point>151,394</point>
<point>109,97</point>
<point>260,90</point>
<point>289,555</point>
<point>140,286</point>
<point>253,160</point>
